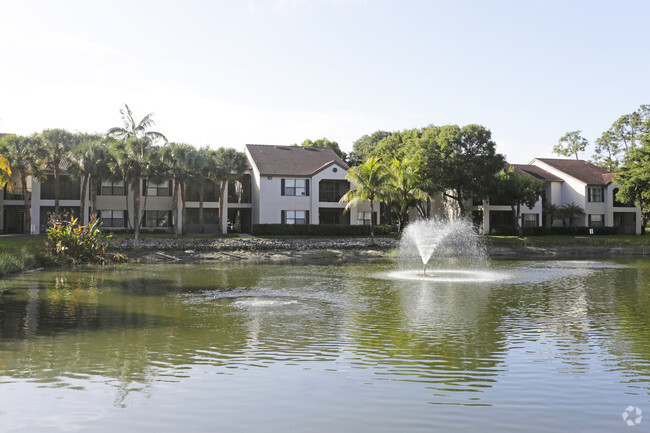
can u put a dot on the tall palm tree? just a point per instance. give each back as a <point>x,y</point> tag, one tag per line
<point>55,147</point>
<point>20,151</point>
<point>230,164</point>
<point>206,168</point>
<point>178,160</point>
<point>134,159</point>
<point>371,179</point>
<point>406,186</point>
<point>89,164</point>
<point>132,129</point>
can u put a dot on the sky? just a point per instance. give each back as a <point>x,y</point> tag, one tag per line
<point>229,73</point>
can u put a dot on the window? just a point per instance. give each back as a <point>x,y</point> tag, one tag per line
<point>364,218</point>
<point>158,189</point>
<point>332,190</point>
<point>112,188</point>
<point>69,188</point>
<point>530,220</point>
<point>294,187</point>
<point>295,216</point>
<point>596,220</point>
<point>112,218</point>
<point>595,194</point>
<point>157,218</point>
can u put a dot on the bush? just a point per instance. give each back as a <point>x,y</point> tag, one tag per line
<point>80,244</point>
<point>317,230</point>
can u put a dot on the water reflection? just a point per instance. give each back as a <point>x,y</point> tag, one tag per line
<point>145,330</point>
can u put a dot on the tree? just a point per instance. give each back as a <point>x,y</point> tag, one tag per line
<point>552,212</point>
<point>624,134</point>
<point>370,179</point>
<point>405,187</point>
<point>517,189</point>
<point>634,178</point>
<point>134,159</point>
<point>364,146</point>
<point>461,162</point>
<point>178,160</point>
<point>5,173</point>
<point>230,164</point>
<point>20,151</point>
<point>324,142</point>
<point>89,164</point>
<point>570,144</point>
<point>132,129</point>
<point>55,147</point>
<point>571,212</point>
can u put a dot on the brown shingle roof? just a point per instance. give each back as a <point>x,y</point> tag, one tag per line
<point>582,170</point>
<point>535,172</point>
<point>292,160</point>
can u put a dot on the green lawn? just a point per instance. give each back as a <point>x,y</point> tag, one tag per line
<point>571,240</point>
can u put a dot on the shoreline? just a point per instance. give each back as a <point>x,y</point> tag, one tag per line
<point>342,249</point>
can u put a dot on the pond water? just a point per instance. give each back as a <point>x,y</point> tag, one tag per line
<point>327,347</point>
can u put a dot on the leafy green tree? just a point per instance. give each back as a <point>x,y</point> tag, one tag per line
<point>460,162</point>
<point>570,144</point>
<point>21,152</point>
<point>634,178</point>
<point>405,187</point>
<point>5,173</point>
<point>55,148</point>
<point>516,189</point>
<point>364,146</point>
<point>624,134</point>
<point>397,145</point>
<point>230,164</point>
<point>371,179</point>
<point>571,212</point>
<point>324,142</point>
<point>132,129</point>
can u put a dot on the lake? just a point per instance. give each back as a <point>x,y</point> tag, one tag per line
<point>534,346</point>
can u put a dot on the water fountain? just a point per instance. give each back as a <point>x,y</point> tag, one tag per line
<point>455,246</point>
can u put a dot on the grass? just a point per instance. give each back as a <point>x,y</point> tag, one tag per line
<point>602,240</point>
<point>20,253</point>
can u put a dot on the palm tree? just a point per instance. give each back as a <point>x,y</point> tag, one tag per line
<point>134,159</point>
<point>132,129</point>
<point>205,167</point>
<point>571,212</point>
<point>55,148</point>
<point>20,151</point>
<point>406,187</point>
<point>89,164</point>
<point>230,164</point>
<point>552,211</point>
<point>371,179</point>
<point>177,159</point>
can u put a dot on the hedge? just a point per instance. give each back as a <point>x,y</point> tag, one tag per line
<point>509,230</point>
<point>317,230</point>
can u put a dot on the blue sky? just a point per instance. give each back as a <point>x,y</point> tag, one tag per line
<point>227,73</point>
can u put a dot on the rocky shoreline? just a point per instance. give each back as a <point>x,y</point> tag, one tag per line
<point>257,249</point>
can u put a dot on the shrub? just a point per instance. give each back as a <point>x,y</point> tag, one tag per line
<point>80,244</point>
<point>317,230</point>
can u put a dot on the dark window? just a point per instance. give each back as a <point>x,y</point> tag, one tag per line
<point>530,219</point>
<point>112,218</point>
<point>158,189</point>
<point>595,194</point>
<point>112,188</point>
<point>210,191</point>
<point>157,218</point>
<point>596,220</point>
<point>294,187</point>
<point>332,190</point>
<point>295,217</point>
<point>69,189</point>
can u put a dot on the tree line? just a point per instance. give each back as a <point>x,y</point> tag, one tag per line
<point>127,153</point>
